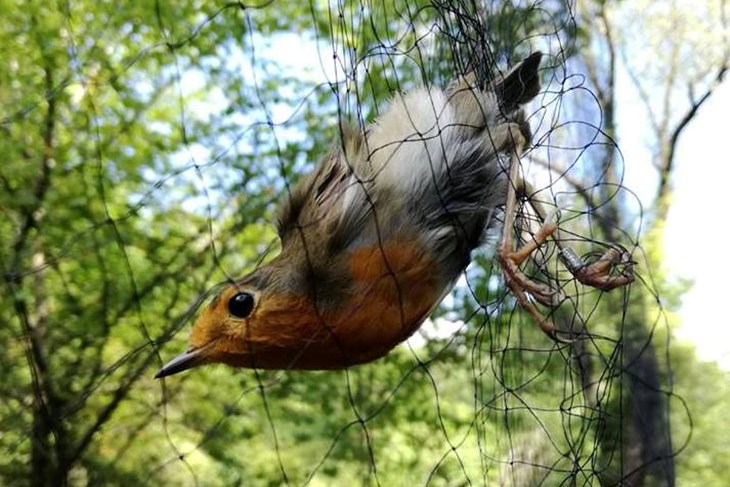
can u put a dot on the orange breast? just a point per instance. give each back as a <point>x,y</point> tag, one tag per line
<point>397,285</point>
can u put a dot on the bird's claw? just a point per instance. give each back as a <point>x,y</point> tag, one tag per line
<point>598,274</point>
<point>518,282</point>
<point>521,285</point>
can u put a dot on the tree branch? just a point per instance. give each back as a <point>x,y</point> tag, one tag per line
<point>668,165</point>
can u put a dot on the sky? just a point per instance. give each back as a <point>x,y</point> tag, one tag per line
<point>695,237</point>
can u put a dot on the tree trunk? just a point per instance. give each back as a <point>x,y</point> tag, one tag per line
<point>43,467</point>
<point>647,446</point>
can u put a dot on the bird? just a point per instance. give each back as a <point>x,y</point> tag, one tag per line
<point>379,232</point>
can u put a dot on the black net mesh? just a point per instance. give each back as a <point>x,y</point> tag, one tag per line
<point>147,148</point>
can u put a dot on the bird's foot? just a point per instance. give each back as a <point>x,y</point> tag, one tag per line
<point>520,285</point>
<point>598,274</point>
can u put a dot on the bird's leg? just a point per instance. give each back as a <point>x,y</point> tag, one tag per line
<point>509,259</point>
<point>597,274</point>
<point>512,259</point>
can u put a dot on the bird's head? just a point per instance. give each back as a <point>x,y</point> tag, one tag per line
<point>254,322</point>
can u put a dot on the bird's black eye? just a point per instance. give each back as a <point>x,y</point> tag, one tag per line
<point>241,305</point>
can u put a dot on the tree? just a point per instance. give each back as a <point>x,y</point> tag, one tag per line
<point>617,39</point>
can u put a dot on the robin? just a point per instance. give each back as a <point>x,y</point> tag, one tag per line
<point>377,235</point>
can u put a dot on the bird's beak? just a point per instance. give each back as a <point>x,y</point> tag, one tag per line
<point>187,360</point>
